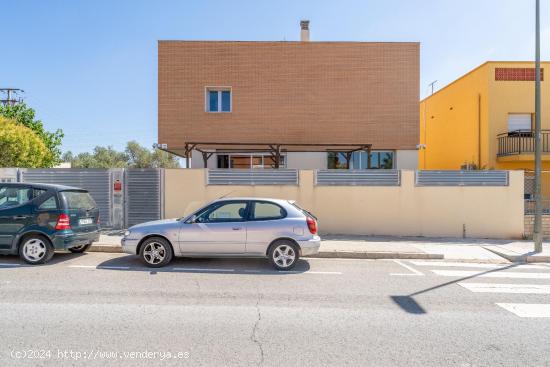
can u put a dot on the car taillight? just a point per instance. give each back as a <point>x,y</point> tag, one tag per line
<point>312,225</point>
<point>63,222</point>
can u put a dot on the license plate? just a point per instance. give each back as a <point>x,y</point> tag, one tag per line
<point>85,221</point>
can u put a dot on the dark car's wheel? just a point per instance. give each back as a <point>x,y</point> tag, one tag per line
<point>283,254</point>
<point>36,249</point>
<point>80,249</point>
<point>156,252</point>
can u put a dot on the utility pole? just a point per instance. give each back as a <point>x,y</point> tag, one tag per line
<point>537,232</point>
<point>11,93</point>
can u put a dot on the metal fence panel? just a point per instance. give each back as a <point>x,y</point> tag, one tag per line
<point>96,181</point>
<point>252,177</point>
<point>143,196</point>
<point>462,178</point>
<point>338,177</point>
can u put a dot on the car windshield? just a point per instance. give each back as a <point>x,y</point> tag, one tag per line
<point>78,200</point>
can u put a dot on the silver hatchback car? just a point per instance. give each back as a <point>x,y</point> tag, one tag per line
<point>233,227</point>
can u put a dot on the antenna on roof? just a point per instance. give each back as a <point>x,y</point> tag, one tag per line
<point>229,193</point>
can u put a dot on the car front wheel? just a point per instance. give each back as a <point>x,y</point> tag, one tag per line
<point>283,255</point>
<point>36,249</point>
<point>156,252</point>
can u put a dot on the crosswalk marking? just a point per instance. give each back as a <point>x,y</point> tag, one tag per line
<point>475,265</point>
<point>414,272</point>
<point>495,274</point>
<point>507,288</point>
<point>527,309</point>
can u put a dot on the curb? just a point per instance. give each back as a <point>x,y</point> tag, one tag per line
<point>322,254</point>
<point>376,255</point>
<point>519,258</point>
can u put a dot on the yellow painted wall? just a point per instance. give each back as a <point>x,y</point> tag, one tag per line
<point>449,123</point>
<point>408,210</point>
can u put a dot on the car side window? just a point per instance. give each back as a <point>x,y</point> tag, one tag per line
<point>50,203</point>
<point>267,211</point>
<point>223,213</point>
<point>11,196</point>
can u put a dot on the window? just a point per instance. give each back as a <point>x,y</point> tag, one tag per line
<point>223,212</point>
<point>78,200</point>
<point>218,99</point>
<point>15,196</point>
<point>265,211</point>
<point>360,160</point>
<point>244,161</point>
<point>520,123</point>
<point>50,203</point>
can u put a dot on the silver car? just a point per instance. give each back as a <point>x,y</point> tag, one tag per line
<point>233,227</point>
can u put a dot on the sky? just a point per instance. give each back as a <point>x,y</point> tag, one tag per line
<point>89,67</point>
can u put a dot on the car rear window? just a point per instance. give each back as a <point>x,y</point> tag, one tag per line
<point>78,200</point>
<point>307,213</point>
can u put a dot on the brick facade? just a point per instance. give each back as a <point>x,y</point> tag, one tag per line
<point>290,92</point>
<point>529,224</point>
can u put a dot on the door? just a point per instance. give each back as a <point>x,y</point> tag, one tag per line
<point>14,214</point>
<point>218,229</point>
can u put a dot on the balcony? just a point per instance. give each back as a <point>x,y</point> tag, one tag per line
<point>515,143</point>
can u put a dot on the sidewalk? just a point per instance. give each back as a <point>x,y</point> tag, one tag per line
<point>387,247</point>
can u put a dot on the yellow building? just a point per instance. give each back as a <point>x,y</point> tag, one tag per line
<point>485,120</point>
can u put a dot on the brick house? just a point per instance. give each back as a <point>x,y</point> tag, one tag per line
<point>307,105</point>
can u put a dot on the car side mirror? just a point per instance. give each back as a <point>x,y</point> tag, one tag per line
<point>192,219</point>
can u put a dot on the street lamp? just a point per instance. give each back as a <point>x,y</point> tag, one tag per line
<point>537,232</point>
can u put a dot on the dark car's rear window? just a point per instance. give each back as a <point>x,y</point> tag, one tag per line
<point>77,200</point>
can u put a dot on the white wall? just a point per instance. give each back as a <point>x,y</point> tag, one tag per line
<point>309,160</point>
<point>407,159</point>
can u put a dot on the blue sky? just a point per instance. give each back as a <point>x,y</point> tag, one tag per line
<point>90,67</point>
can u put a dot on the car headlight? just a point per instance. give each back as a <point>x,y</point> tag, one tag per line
<point>127,233</point>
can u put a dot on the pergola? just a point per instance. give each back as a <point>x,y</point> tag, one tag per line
<point>275,150</point>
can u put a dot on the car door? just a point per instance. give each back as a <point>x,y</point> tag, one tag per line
<point>265,223</point>
<point>218,229</point>
<point>14,214</point>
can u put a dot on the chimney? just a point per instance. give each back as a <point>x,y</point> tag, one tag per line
<point>304,33</point>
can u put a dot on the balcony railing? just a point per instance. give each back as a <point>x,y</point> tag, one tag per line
<point>521,142</point>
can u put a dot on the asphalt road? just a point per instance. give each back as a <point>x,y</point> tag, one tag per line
<point>107,309</point>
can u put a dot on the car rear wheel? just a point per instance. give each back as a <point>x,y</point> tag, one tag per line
<point>80,249</point>
<point>283,255</point>
<point>156,252</point>
<point>36,249</point>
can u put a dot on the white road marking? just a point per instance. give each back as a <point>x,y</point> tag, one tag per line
<point>507,288</point>
<point>83,266</point>
<point>496,274</point>
<point>413,270</point>
<point>9,264</point>
<point>475,265</point>
<point>527,309</point>
<point>203,269</point>
<point>114,267</point>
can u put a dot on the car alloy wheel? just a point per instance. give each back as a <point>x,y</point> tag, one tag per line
<point>34,250</point>
<point>284,256</point>
<point>154,253</point>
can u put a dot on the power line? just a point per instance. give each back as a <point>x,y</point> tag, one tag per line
<point>11,96</point>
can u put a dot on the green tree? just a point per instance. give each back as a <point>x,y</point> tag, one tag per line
<point>25,116</point>
<point>134,156</point>
<point>20,146</point>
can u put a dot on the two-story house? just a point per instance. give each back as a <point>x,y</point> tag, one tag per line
<point>485,120</point>
<point>294,104</point>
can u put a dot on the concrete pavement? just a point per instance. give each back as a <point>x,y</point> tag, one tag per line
<point>326,312</point>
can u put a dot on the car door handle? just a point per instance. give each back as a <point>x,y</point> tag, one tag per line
<point>237,228</point>
<point>17,217</point>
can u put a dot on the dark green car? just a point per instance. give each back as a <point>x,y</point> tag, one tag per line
<point>36,219</point>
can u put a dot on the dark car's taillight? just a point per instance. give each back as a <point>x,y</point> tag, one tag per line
<point>312,225</point>
<point>63,222</point>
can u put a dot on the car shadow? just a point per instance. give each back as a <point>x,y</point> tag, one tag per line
<point>11,261</point>
<point>225,266</point>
